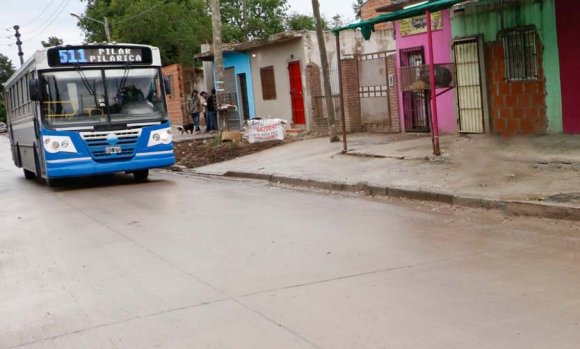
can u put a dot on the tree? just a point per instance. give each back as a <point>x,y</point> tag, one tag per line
<point>245,20</point>
<point>177,27</point>
<point>356,7</point>
<point>297,21</point>
<point>6,71</point>
<point>337,21</point>
<point>325,72</point>
<point>52,41</point>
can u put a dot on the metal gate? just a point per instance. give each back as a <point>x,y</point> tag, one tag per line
<point>377,91</point>
<point>415,104</point>
<point>230,96</point>
<point>469,92</point>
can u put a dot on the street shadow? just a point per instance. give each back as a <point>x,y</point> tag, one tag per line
<point>101,181</point>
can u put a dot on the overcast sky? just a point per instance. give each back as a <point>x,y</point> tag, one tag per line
<point>40,19</point>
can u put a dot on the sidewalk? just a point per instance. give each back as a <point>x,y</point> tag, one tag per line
<point>184,137</point>
<point>537,176</point>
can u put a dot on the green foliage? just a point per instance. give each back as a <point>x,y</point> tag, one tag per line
<point>244,20</point>
<point>2,111</point>
<point>6,70</point>
<point>177,27</point>
<point>337,21</point>
<point>356,7</point>
<point>52,41</point>
<point>297,21</point>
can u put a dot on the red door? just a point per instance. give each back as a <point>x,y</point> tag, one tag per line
<point>296,93</point>
<point>567,13</point>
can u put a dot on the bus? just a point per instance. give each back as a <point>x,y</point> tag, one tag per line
<point>89,110</point>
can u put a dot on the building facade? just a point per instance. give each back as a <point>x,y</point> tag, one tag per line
<point>285,81</point>
<point>182,81</point>
<point>520,63</point>
<point>412,53</point>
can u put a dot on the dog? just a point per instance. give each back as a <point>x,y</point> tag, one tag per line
<point>185,128</point>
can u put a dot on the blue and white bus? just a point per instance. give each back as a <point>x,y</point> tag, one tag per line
<point>89,110</point>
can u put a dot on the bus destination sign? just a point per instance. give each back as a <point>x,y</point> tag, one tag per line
<point>98,55</point>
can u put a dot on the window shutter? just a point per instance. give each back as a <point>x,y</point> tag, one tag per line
<point>268,83</point>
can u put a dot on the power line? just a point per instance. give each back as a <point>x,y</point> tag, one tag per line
<point>142,13</point>
<point>40,13</point>
<point>57,11</point>
<point>54,18</point>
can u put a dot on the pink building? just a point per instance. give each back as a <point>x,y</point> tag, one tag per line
<point>412,49</point>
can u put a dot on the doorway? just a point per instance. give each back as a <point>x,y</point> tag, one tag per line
<point>567,12</point>
<point>415,104</point>
<point>243,85</point>
<point>469,91</point>
<point>296,93</point>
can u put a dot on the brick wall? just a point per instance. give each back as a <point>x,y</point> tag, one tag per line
<point>368,10</point>
<point>516,107</point>
<point>350,85</point>
<point>176,101</point>
<point>318,123</point>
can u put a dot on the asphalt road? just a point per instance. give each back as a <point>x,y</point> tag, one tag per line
<point>191,262</point>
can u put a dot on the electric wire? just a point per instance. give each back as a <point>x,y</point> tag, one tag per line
<point>142,13</point>
<point>57,11</point>
<point>39,14</point>
<point>66,2</point>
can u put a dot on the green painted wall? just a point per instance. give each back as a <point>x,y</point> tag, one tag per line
<point>542,14</point>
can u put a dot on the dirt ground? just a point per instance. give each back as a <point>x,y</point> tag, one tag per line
<point>200,153</point>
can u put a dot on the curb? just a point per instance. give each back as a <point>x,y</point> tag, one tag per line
<point>510,207</point>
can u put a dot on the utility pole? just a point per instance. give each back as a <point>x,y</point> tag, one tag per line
<point>19,44</point>
<point>107,30</point>
<point>325,72</point>
<point>218,58</point>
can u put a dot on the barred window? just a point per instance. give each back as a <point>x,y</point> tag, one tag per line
<point>521,57</point>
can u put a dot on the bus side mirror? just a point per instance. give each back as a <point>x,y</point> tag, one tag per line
<point>167,84</point>
<point>34,88</point>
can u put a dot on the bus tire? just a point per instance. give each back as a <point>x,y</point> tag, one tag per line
<point>29,174</point>
<point>141,175</point>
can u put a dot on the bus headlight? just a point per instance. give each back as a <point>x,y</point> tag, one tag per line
<point>162,136</point>
<point>58,144</point>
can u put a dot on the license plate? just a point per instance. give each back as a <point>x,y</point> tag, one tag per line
<point>113,150</point>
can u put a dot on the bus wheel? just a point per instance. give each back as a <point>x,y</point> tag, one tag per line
<point>141,175</point>
<point>29,174</point>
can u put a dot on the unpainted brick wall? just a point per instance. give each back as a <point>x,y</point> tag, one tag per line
<point>350,87</point>
<point>319,124</point>
<point>368,11</point>
<point>516,107</point>
<point>176,101</point>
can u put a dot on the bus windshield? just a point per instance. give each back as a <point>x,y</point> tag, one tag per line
<point>101,96</point>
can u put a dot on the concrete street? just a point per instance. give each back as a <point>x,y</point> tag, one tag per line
<point>202,262</point>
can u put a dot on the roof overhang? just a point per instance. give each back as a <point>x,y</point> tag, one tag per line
<point>254,44</point>
<point>410,10</point>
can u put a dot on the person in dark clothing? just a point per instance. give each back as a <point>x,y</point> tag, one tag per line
<point>212,111</point>
<point>203,95</point>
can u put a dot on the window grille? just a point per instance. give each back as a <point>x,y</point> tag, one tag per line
<point>521,57</point>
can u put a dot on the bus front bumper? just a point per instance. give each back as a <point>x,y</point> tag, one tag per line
<point>86,166</point>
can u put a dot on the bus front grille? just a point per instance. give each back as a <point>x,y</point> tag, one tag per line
<point>112,145</point>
